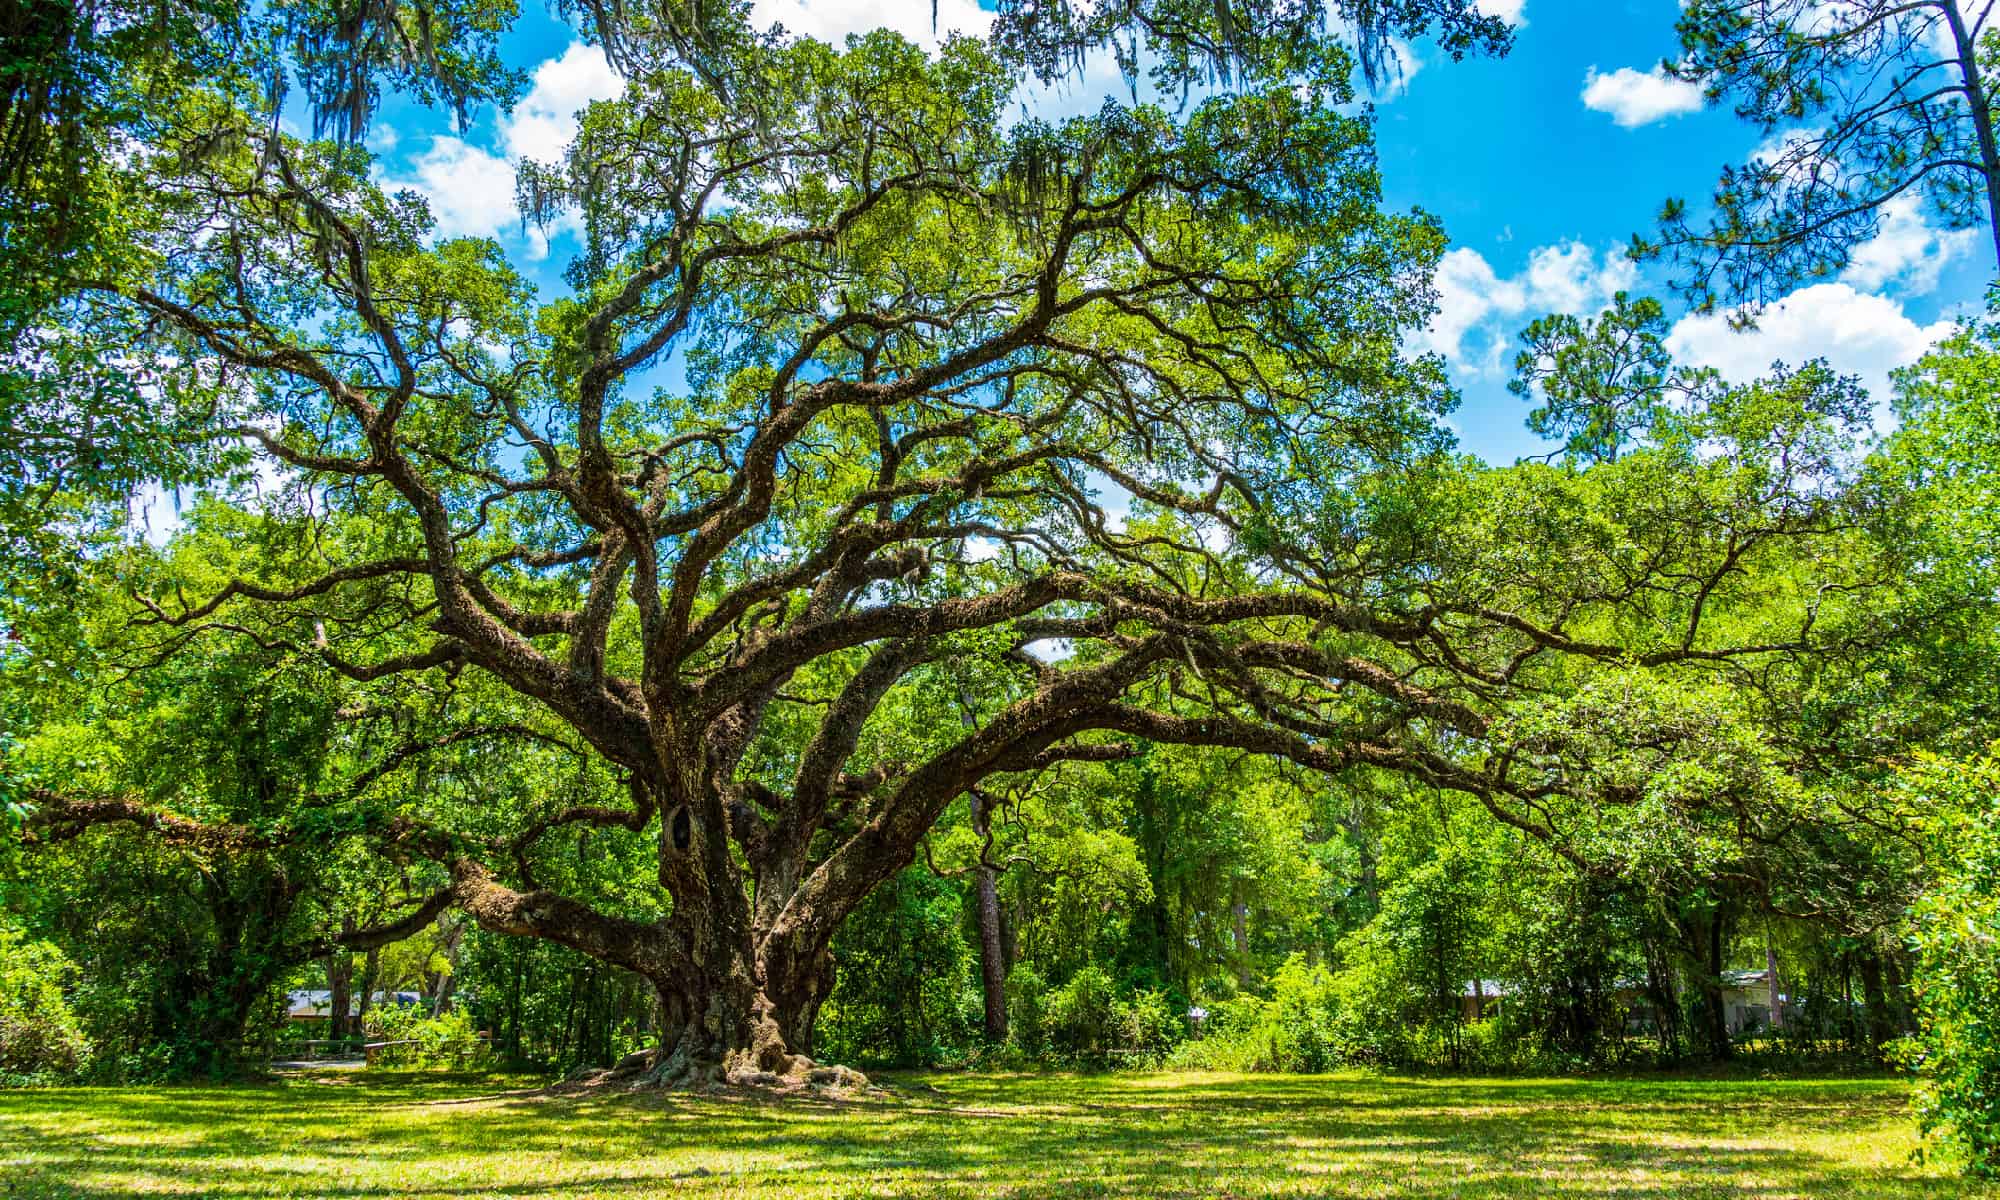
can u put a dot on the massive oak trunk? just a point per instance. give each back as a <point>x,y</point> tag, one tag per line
<point>741,962</point>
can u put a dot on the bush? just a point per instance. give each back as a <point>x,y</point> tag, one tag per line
<point>447,1040</point>
<point>1295,1030</point>
<point>1087,1021</point>
<point>1027,1010</point>
<point>1302,1010</point>
<point>1147,1026</point>
<point>40,1038</point>
<point>1375,1011</point>
<point>1081,1017</point>
<point>906,993</point>
<point>1957,977</point>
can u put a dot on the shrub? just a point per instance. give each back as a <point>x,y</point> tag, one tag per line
<point>1147,1026</point>
<point>900,997</point>
<point>1957,976</point>
<point>1082,1016</point>
<point>1027,1010</point>
<point>39,1035</point>
<point>1295,1030</point>
<point>1375,1010</point>
<point>446,1040</point>
<point>1301,1017</point>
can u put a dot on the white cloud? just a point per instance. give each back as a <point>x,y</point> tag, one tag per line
<point>1569,278</point>
<point>1510,11</point>
<point>1906,250</point>
<point>832,20</point>
<point>542,124</point>
<point>1635,98</point>
<point>1479,312</point>
<point>1857,333</point>
<point>1470,296</point>
<point>471,189</point>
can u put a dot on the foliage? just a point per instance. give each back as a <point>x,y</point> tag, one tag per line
<point>40,1037</point>
<point>1190,42</point>
<point>447,1039</point>
<point>1957,940</point>
<point>1081,1017</point>
<point>1602,381</point>
<point>1297,1029</point>
<point>1027,1010</point>
<point>901,997</point>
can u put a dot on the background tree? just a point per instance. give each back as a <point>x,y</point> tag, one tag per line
<point>196,816</point>
<point>1868,104</point>
<point>1957,929</point>
<point>1603,381</point>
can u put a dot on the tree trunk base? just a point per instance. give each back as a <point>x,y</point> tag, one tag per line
<point>649,1070</point>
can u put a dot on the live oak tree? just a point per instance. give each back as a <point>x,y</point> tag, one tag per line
<point>1866,103</point>
<point>910,337</point>
<point>792,513</point>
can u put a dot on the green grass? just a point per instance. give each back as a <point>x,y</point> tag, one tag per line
<point>1177,1135</point>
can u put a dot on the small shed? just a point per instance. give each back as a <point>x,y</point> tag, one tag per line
<point>1747,1002</point>
<point>1481,998</point>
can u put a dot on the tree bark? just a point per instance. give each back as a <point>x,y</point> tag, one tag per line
<point>1880,1023</point>
<point>371,974</point>
<point>1897,982</point>
<point>1980,108</point>
<point>339,987</point>
<point>1771,978</point>
<point>992,945</point>
<point>1239,930</point>
<point>1707,934</point>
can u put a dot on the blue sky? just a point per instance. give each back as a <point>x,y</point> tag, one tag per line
<point>1540,165</point>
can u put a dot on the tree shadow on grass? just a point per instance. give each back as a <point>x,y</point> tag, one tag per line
<point>1112,1136</point>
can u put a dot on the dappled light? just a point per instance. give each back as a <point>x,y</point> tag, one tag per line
<point>1185,1135</point>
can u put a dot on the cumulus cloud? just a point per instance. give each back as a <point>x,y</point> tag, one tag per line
<point>471,191</point>
<point>1511,11</point>
<point>1906,250</point>
<point>1856,332</point>
<point>470,188</point>
<point>1635,98</point>
<point>1480,311</point>
<point>542,124</point>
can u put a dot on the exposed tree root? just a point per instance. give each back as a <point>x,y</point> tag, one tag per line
<point>649,1070</point>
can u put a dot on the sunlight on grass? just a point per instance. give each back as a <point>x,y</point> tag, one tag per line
<point>1183,1135</point>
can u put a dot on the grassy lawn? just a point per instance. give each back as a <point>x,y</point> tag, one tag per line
<point>1181,1135</point>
